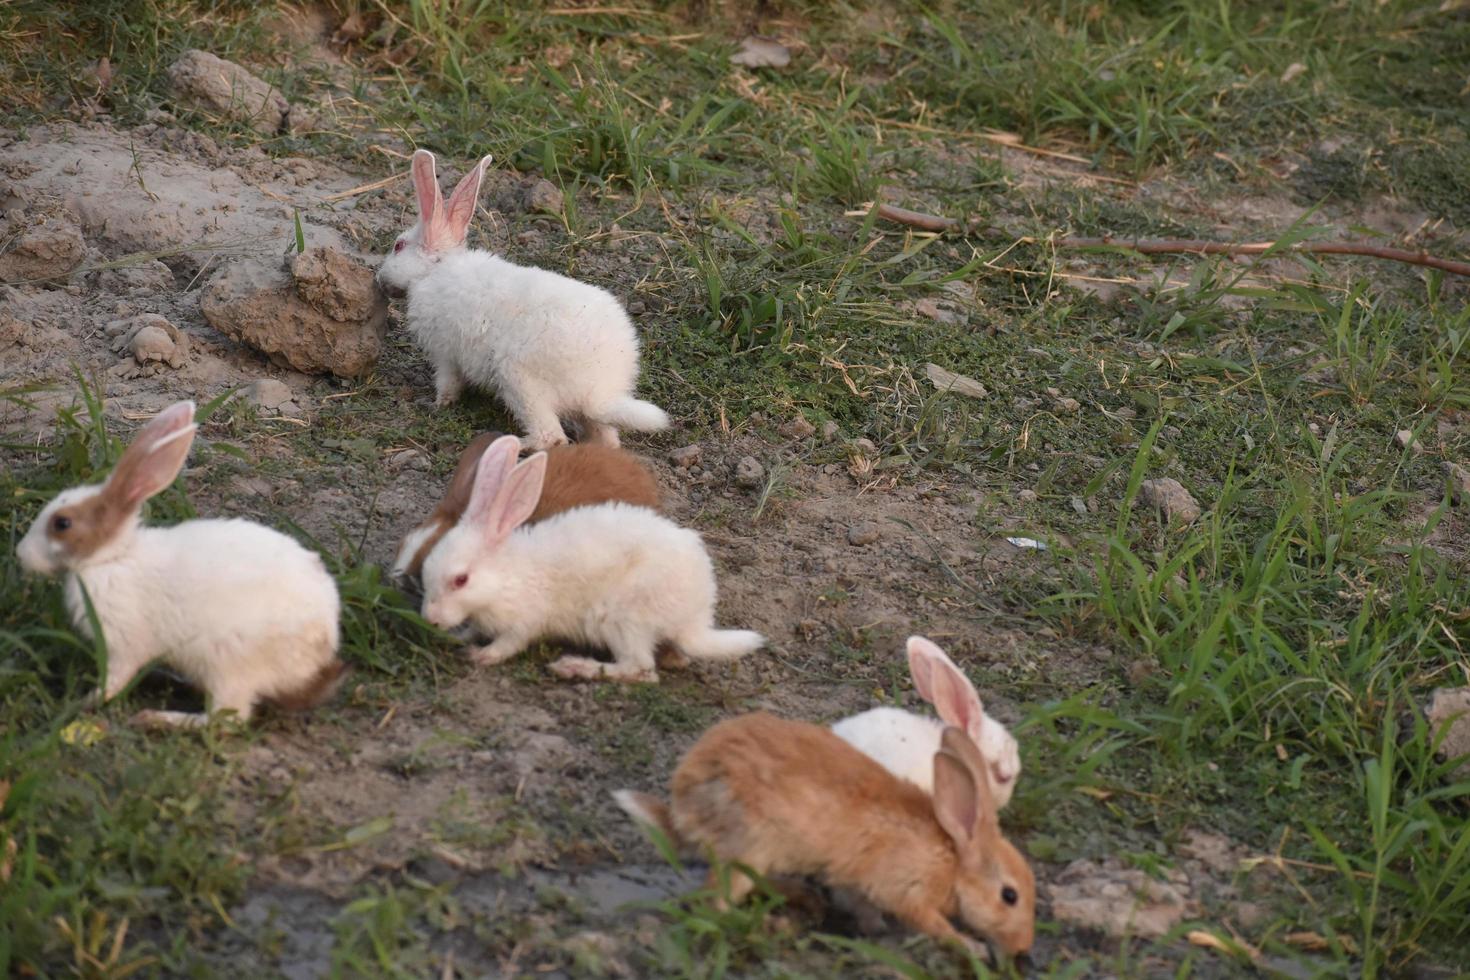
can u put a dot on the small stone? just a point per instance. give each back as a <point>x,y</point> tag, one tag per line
<point>410,459</point>
<point>215,85</point>
<point>1027,496</point>
<point>798,428</point>
<point>831,431</point>
<point>1449,715</point>
<point>268,393</point>
<point>864,533</point>
<point>544,197</point>
<point>1249,915</point>
<point>808,628</point>
<point>1140,671</point>
<point>1168,494</point>
<point>865,446</point>
<point>1314,428</point>
<point>1459,478</point>
<point>1068,405</point>
<point>150,340</point>
<point>1120,902</point>
<point>749,473</point>
<point>1405,439</point>
<point>1079,506</point>
<point>685,456</point>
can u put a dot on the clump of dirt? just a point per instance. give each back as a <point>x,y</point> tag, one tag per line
<point>209,82</point>
<point>320,312</point>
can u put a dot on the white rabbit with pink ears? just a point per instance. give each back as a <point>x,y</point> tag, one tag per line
<point>905,743</point>
<point>551,347</point>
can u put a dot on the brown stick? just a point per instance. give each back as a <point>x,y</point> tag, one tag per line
<point>1165,246</point>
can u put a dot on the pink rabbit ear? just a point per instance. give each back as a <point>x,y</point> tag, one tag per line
<point>519,495</point>
<point>495,465</point>
<point>154,458</point>
<point>461,207</point>
<point>426,186</point>
<point>946,687</point>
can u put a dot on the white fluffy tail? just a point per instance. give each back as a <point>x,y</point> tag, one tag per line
<point>633,413</point>
<point>712,644</point>
<point>648,810</point>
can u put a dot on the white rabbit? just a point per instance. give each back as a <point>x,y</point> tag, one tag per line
<point>610,575</point>
<point>553,348</point>
<point>905,743</point>
<point>241,610</point>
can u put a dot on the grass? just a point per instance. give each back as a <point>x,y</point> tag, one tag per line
<point>1256,673</point>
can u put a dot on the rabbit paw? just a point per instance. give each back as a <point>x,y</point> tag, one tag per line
<point>587,669</point>
<point>493,653</point>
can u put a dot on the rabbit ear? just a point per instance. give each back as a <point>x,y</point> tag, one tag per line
<point>963,803</point>
<point>154,459</point>
<point>462,482</point>
<point>461,206</point>
<point>922,654</point>
<point>954,697</point>
<point>518,497</point>
<point>494,466</point>
<point>426,186</point>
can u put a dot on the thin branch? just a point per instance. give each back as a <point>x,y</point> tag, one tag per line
<point>1196,246</point>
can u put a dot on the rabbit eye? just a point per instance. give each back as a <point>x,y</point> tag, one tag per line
<point>1009,896</point>
<point>398,245</point>
<point>460,580</point>
<point>60,523</point>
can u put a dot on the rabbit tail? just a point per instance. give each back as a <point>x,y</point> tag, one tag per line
<point>713,644</point>
<point>633,413</point>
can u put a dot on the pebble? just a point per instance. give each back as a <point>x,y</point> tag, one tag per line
<point>863,533</point>
<point>798,428</point>
<point>1027,496</point>
<point>268,393</point>
<point>866,446</point>
<point>831,431</point>
<point>1169,495</point>
<point>749,473</point>
<point>685,456</point>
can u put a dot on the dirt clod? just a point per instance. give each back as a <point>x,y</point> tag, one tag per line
<point>1168,494</point>
<point>544,197</point>
<point>39,249</point>
<point>831,431</point>
<point>1120,901</point>
<point>864,533</point>
<point>211,83</point>
<point>268,393</point>
<point>294,319</point>
<point>798,428</point>
<point>1459,477</point>
<point>148,344</point>
<point>1449,712</point>
<point>749,473</point>
<point>684,457</point>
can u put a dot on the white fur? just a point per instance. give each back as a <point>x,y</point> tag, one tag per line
<point>241,610</point>
<point>412,542</point>
<point>553,348</point>
<point>904,743</point>
<point>610,575</point>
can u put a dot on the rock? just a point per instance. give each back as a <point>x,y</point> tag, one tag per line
<point>1459,478</point>
<point>297,321</point>
<point>1069,405</point>
<point>151,341</point>
<point>543,196</point>
<point>684,457</point>
<point>268,393</point>
<point>761,52</point>
<point>410,459</point>
<point>1449,708</point>
<point>749,473</point>
<point>337,285</point>
<point>1405,439</point>
<point>798,428</point>
<point>1120,902</point>
<point>865,446</point>
<point>1027,496</point>
<point>945,380</point>
<point>213,84</point>
<point>44,249</point>
<point>831,431</point>
<point>1168,494</point>
<point>864,533</point>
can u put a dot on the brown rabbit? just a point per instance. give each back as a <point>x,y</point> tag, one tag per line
<point>784,797</point>
<point>576,476</point>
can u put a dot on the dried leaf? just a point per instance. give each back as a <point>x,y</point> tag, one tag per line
<point>84,733</point>
<point>946,380</point>
<point>1294,70</point>
<point>1199,937</point>
<point>761,52</point>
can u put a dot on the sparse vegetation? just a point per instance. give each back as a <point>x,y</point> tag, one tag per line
<point>1257,673</point>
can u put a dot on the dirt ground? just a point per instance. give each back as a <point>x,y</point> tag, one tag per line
<point>493,785</point>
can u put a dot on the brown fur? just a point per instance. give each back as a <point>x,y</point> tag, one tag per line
<point>146,467</point>
<point>320,689</point>
<point>94,522</point>
<point>784,797</point>
<point>576,476</point>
